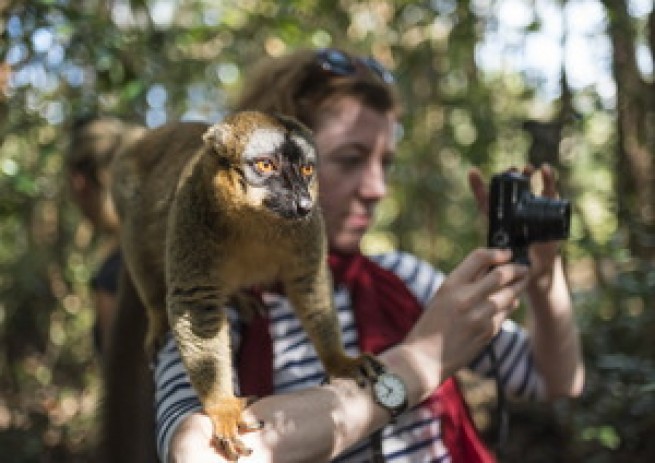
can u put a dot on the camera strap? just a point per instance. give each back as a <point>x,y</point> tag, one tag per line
<point>377,456</point>
<point>501,403</point>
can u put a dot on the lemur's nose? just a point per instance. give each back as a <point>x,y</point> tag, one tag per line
<point>304,206</point>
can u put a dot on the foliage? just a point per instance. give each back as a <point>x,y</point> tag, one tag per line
<point>158,60</point>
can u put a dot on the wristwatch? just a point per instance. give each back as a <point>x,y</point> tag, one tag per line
<point>390,392</point>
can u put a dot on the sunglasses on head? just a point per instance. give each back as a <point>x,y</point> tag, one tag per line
<point>337,62</point>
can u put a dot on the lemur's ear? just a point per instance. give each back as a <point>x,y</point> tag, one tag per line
<point>218,135</point>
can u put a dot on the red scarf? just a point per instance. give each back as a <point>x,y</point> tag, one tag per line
<point>385,310</point>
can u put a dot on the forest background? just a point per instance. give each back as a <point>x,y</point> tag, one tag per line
<point>490,83</point>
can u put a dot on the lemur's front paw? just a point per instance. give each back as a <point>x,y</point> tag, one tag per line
<point>363,368</point>
<point>226,415</point>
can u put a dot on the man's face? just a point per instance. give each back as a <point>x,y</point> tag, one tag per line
<point>355,145</point>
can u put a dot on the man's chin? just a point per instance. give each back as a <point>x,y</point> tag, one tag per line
<point>347,242</point>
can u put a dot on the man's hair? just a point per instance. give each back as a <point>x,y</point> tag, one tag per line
<point>295,85</point>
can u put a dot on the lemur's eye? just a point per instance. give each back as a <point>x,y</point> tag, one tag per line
<point>265,166</point>
<point>307,170</point>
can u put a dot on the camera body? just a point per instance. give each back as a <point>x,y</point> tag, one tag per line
<point>517,218</point>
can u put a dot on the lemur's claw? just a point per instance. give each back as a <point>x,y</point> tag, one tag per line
<point>226,415</point>
<point>363,369</point>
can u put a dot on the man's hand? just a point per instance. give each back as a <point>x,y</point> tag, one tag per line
<point>542,255</point>
<point>466,312</point>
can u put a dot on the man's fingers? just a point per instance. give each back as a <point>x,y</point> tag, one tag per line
<point>548,177</point>
<point>477,262</point>
<point>479,189</point>
<point>528,170</point>
<point>505,299</point>
<point>490,314</point>
<point>502,276</point>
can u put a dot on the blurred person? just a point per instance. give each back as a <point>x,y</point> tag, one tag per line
<point>127,418</point>
<point>423,325</point>
<point>93,144</point>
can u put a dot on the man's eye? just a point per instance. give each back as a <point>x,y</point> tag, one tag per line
<point>265,166</point>
<point>307,170</point>
<point>349,162</point>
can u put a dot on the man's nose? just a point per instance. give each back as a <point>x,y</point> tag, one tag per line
<point>374,182</point>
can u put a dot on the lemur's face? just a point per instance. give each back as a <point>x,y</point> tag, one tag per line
<point>275,161</point>
<point>280,170</point>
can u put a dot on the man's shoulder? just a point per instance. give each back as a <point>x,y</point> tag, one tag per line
<point>417,274</point>
<point>400,262</point>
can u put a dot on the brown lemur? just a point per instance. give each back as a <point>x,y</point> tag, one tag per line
<point>209,210</point>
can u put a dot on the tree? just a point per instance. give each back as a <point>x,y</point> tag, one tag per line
<point>635,120</point>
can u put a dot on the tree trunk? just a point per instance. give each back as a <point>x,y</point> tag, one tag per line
<point>635,173</point>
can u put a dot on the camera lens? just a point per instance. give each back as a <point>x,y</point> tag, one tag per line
<point>543,219</point>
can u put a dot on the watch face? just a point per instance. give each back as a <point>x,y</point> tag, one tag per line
<point>390,391</point>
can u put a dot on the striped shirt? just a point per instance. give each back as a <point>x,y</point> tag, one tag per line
<point>416,434</point>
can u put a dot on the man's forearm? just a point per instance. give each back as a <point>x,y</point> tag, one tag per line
<point>315,424</point>
<point>555,337</point>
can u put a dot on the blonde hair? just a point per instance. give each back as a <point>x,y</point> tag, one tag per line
<point>295,85</point>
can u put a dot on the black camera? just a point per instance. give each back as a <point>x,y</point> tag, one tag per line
<point>517,218</point>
